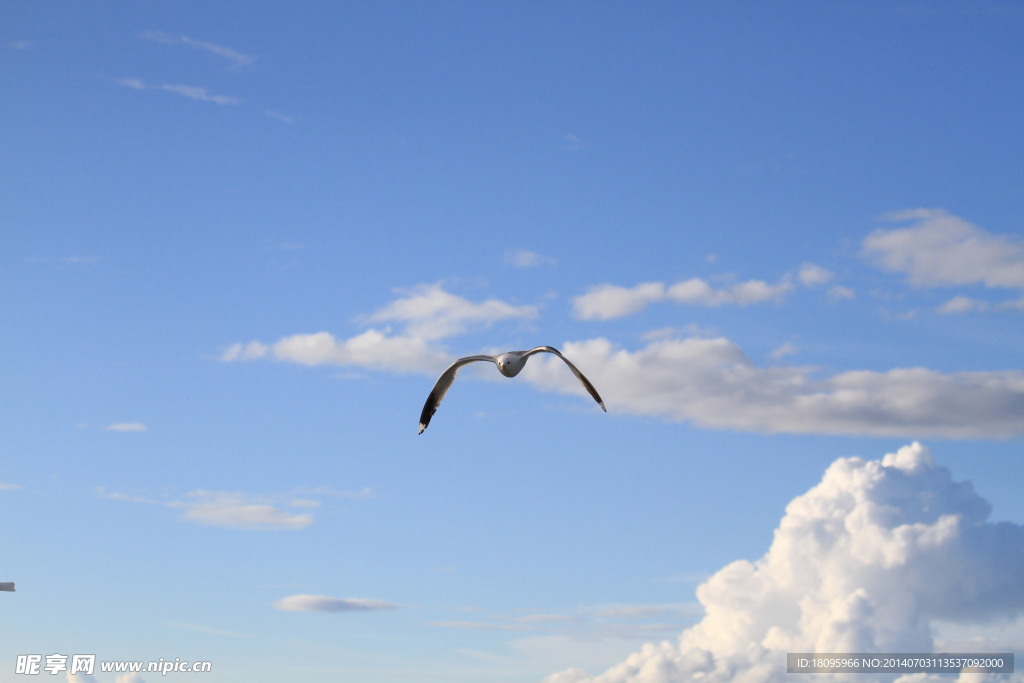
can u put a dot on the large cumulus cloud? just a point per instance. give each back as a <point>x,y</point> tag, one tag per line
<point>871,559</point>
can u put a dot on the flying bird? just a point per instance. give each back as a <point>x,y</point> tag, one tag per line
<point>509,364</point>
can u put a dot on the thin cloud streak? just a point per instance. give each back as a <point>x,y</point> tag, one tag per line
<point>326,603</point>
<point>233,56</point>
<point>524,258</point>
<point>190,91</point>
<point>126,427</point>
<point>232,510</point>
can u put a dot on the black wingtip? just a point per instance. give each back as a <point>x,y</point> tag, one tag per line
<point>429,408</point>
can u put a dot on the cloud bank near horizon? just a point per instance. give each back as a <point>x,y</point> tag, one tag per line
<point>874,558</point>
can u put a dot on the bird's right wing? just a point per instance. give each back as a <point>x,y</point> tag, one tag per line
<point>576,371</point>
<point>444,382</point>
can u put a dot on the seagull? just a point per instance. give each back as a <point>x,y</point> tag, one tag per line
<point>509,364</point>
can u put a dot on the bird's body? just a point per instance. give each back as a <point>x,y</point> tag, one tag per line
<point>509,364</point>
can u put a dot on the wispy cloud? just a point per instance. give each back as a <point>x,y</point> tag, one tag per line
<point>574,143</point>
<point>233,57</point>
<point>10,487</point>
<point>234,510</point>
<point>19,45</point>
<point>326,603</point>
<point>524,258</point>
<point>126,427</point>
<point>190,91</point>
<point>811,274</point>
<point>278,116</point>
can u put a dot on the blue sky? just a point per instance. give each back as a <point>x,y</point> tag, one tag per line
<point>241,240</point>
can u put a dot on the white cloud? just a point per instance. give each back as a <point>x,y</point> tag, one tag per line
<point>246,351</point>
<point>233,56</point>
<point>429,312</point>
<point>371,349</point>
<point>607,301</point>
<point>126,427</point>
<point>10,487</point>
<point>238,511</point>
<point>233,510</point>
<point>811,275</point>
<point>869,560</point>
<point>938,249</point>
<point>712,383</point>
<point>786,349</point>
<point>325,603</point>
<point>965,304</point>
<point>426,313</point>
<point>962,304</point>
<point>524,258</point>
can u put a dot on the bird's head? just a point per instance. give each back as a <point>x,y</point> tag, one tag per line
<point>509,364</point>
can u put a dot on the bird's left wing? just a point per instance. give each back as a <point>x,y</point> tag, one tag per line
<point>444,382</point>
